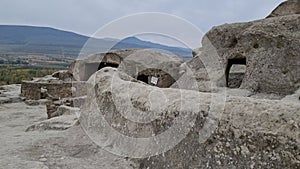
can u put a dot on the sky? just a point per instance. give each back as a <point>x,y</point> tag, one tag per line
<point>87,16</point>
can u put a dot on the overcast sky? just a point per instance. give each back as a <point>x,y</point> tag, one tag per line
<point>87,16</point>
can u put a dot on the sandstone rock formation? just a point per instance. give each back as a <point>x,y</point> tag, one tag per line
<point>146,64</point>
<point>251,133</point>
<point>123,101</point>
<point>192,118</point>
<point>260,136</point>
<point>142,64</point>
<point>269,48</point>
<point>83,68</point>
<point>288,7</point>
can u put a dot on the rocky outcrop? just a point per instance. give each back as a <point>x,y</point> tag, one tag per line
<point>161,113</point>
<point>83,68</point>
<point>62,119</point>
<point>249,133</point>
<point>248,136</point>
<point>288,7</point>
<point>146,64</point>
<point>150,66</point>
<point>137,109</point>
<point>269,48</point>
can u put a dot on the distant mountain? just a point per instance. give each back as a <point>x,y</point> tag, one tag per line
<point>24,40</point>
<point>133,42</point>
<point>39,36</point>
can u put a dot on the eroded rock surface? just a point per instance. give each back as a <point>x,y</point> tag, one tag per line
<point>195,123</point>
<point>269,48</point>
<point>48,149</point>
<point>251,133</point>
<point>10,94</point>
<point>83,68</point>
<point>63,118</point>
<point>142,64</point>
<point>288,7</point>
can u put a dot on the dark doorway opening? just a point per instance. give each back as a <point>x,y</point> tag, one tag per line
<point>106,64</point>
<point>156,77</point>
<point>143,78</point>
<point>235,72</point>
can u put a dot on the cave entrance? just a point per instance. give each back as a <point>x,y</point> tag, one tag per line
<point>107,64</point>
<point>110,59</point>
<point>142,78</point>
<point>235,72</point>
<point>156,77</point>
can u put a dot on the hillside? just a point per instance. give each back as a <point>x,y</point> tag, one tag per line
<point>27,40</point>
<point>24,40</point>
<point>133,42</point>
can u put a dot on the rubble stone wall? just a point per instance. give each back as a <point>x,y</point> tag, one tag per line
<point>32,90</point>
